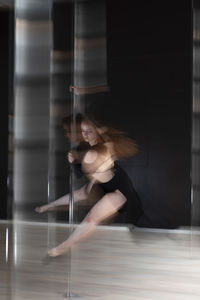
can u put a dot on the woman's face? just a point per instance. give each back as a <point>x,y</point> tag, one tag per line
<point>89,133</point>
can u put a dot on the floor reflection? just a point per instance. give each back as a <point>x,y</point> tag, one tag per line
<point>114,263</point>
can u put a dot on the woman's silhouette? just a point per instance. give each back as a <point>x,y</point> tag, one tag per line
<point>98,163</point>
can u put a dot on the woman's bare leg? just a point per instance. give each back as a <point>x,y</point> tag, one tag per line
<point>80,194</point>
<point>103,209</point>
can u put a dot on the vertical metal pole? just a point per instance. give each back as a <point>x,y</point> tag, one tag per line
<point>71,211</point>
<point>49,189</point>
<point>85,59</point>
<point>71,179</point>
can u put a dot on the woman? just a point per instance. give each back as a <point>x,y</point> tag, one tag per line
<point>98,163</point>
<point>72,131</point>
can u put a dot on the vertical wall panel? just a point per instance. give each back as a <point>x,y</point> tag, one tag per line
<point>31,106</point>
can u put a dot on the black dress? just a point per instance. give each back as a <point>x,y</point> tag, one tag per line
<point>132,210</point>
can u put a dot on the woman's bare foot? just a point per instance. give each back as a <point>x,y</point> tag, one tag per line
<point>53,252</point>
<point>42,208</point>
<point>57,251</point>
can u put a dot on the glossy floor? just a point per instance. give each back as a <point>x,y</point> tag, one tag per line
<point>114,263</point>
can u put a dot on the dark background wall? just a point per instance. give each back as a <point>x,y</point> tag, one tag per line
<point>149,65</point>
<point>149,73</point>
<point>149,57</point>
<point>4,90</point>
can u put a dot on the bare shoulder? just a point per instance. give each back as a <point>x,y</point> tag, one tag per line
<point>90,156</point>
<point>110,147</point>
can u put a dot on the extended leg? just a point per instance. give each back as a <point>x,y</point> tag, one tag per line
<point>103,209</point>
<point>79,195</point>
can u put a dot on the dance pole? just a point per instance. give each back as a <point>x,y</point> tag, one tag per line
<point>71,203</point>
<point>71,207</point>
<point>71,169</point>
<point>89,73</point>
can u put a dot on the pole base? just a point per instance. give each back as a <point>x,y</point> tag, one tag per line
<point>71,295</point>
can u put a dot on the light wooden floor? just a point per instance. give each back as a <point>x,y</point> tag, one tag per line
<point>112,264</point>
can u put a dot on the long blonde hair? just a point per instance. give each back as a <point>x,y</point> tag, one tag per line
<point>123,145</point>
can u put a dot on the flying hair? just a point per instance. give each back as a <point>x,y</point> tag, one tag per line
<point>123,145</point>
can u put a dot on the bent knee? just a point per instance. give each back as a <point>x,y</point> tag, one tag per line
<point>90,219</point>
<point>120,198</point>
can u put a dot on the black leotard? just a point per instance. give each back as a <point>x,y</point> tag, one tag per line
<point>132,209</point>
